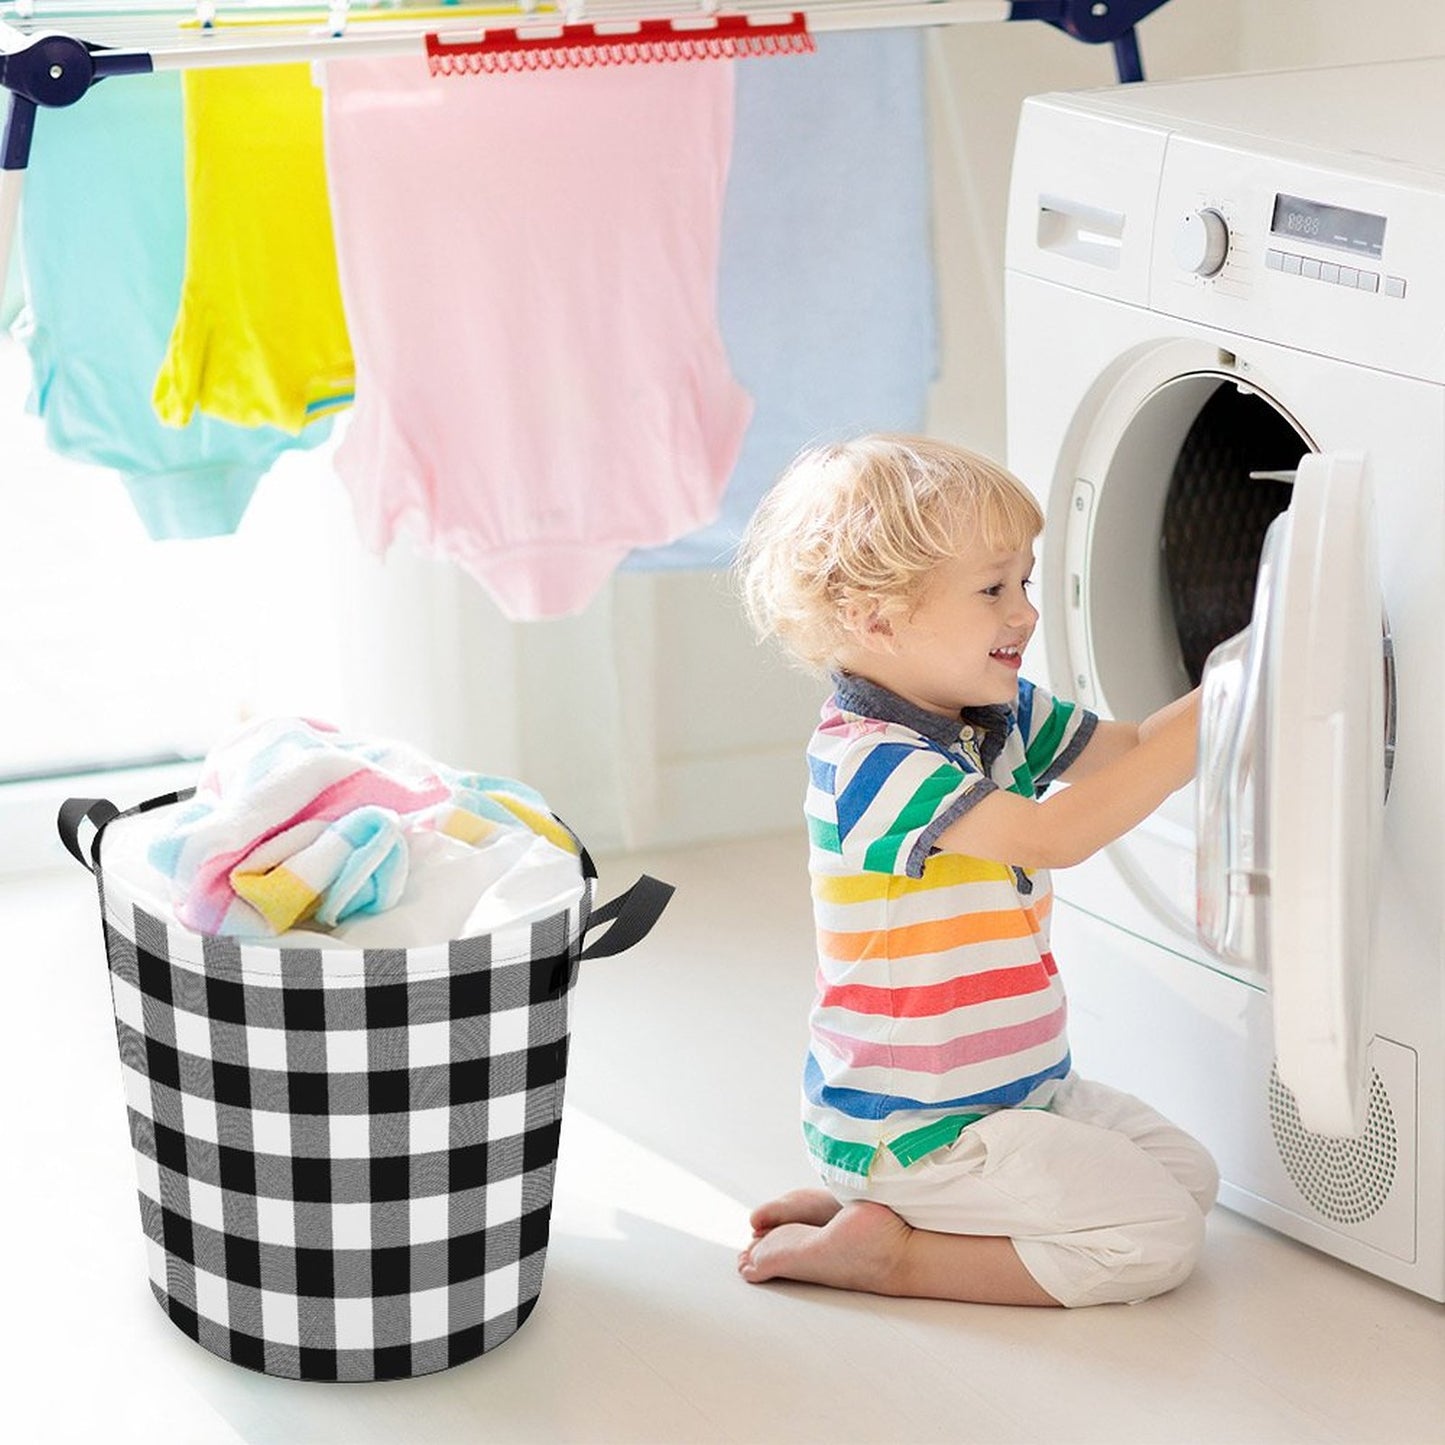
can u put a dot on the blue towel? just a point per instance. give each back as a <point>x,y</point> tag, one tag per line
<point>102,237</point>
<point>826,284</point>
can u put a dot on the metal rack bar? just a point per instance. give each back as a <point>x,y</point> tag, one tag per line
<point>42,65</point>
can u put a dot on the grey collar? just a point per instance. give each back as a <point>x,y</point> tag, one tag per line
<point>868,699</point>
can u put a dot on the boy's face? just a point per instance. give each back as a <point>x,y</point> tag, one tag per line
<point>963,643</point>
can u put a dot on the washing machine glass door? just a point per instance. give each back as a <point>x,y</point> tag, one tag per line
<point>1291,786</point>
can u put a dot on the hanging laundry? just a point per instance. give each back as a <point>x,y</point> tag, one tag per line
<point>826,287</point>
<point>260,338</point>
<point>529,266</point>
<point>102,236</point>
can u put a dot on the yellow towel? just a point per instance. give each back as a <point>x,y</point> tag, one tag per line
<point>260,338</point>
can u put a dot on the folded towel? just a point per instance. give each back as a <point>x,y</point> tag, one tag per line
<point>292,822</point>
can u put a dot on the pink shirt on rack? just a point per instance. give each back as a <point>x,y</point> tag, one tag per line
<point>529,267</point>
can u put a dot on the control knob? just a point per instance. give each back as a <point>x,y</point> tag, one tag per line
<point>1201,242</point>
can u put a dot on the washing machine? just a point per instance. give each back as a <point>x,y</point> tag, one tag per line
<point>1226,386</point>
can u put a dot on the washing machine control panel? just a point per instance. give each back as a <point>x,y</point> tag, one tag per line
<point>1341,259</point>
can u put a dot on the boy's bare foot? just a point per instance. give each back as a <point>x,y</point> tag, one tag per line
<point>797,1206</point>
<point>807,1235</point>
<point>860,1246</point>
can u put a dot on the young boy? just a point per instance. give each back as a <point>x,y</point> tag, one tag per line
<point>963,1157</point>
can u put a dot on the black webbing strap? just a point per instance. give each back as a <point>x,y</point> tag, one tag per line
<point>100,813</point>
<point>75,811</point>
<point>631,915</point>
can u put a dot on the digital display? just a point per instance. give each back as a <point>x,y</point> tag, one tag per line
<point>1355,231</point>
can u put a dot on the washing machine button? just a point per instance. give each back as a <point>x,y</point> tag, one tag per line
<point>1291,264</point>
<point>1310,267</point>
<point>1274,260</point>
<point>1369,281</point>
<point>1394,285</point>
<point>1329,272</point>
<point>1349,276</point>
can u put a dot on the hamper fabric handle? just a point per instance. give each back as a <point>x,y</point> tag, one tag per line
<point>99,813</point>
<point>631,915</point>
<point>75,811</point>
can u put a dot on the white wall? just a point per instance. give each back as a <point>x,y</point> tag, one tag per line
<point>1285,34</point>
<point>654,718</point>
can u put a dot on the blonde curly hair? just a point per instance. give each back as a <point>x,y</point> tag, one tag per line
<point>855,528</point>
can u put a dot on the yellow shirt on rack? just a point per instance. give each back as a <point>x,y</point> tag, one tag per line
<point>260,338</point>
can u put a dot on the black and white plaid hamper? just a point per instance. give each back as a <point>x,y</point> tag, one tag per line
<point>346,1156</point>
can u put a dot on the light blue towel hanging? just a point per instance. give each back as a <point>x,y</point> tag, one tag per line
<point>826,284</point>
<point>102,240</point>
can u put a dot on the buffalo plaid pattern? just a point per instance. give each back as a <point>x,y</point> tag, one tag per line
<point>345,1157</point>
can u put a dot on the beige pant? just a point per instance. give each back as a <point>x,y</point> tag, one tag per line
<point>1103,1197</point>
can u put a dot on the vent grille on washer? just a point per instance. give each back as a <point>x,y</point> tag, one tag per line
<point>1346,1180</point>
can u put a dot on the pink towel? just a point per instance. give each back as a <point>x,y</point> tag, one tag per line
<point>529,267</point>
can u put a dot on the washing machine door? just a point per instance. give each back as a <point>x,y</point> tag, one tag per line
<point>1291,787</point>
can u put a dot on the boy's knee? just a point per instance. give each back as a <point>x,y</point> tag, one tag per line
<point>1162,1254</point>
<point>1171,1249</point>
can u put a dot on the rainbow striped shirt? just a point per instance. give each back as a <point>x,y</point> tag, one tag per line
<point>938,1000</point>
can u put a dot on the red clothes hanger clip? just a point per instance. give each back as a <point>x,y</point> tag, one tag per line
<point>730,37</point>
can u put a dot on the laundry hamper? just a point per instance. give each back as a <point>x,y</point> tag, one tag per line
<point>346,1156</point>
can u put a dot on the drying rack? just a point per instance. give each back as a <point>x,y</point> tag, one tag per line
<point>51,54</point>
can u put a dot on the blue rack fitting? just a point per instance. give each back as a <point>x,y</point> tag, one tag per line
<point>1096,22</point>
<point>54,70</point>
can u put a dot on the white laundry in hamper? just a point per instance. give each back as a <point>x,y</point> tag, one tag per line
<point>345,1155</point>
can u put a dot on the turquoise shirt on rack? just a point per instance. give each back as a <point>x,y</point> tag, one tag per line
<point>102,240</point>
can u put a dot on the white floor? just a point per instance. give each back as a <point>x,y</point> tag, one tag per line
<point>681,1114</point>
